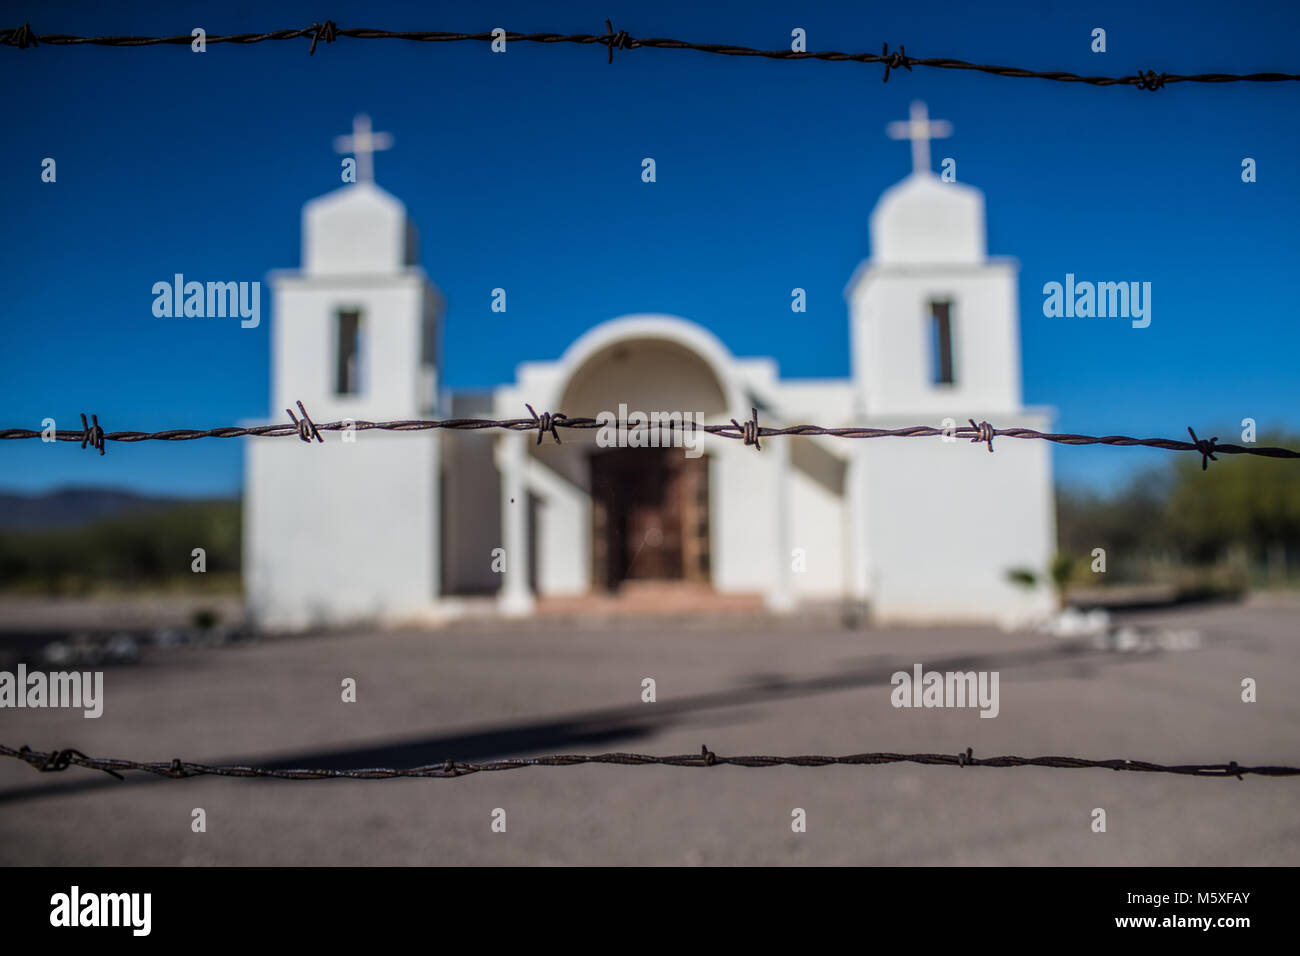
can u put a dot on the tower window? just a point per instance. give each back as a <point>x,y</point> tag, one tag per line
<point>347,377</point>
<point>941,343</point>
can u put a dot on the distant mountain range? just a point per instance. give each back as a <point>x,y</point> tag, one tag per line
<point>73,507</point>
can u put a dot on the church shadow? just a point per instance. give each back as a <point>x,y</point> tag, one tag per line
<point>595,730</point>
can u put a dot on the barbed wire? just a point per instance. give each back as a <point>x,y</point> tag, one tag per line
<point>612,39</point>
<point>56,760</point>
<point>92,434</point>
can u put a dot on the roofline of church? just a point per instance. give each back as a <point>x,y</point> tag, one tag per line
<point>416,272</point>
<point>870,266</point>
<point>349,189</point>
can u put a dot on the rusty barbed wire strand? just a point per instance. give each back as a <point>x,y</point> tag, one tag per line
<point>749,432</point>
<point>329,32</point>
<point>56,760</point>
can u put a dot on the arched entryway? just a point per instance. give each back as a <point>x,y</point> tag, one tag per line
<point>650,506</point>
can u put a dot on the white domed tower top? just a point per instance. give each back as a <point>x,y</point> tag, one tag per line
<point>923,220</point>
<point>359,229</point>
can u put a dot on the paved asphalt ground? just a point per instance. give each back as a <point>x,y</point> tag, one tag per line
<point>476,693</point>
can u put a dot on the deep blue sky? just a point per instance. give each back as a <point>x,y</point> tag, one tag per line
<point>523,171</point>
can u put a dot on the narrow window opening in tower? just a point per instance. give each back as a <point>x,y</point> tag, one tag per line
<point>348,379</point>
<point>941,343</point>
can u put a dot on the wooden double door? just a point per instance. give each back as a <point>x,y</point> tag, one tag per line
<point>650,516</point>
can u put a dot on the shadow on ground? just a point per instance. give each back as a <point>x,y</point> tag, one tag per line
<point>609,727</point>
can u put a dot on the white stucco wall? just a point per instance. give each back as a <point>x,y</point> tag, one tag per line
<point>340,532</point>
<point>743,496</point>
<point>818,517</point>
<point>563,528</point>
<point>471,510</point>
<point>399,315</point>
<point>892,353</point>
<point>946,521</point>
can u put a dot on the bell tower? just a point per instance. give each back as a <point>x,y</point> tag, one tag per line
<point>935,326</point>
<point>935,334</point>
<point>348,530</point>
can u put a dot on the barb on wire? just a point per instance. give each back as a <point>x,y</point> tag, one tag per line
<point>1206,448</point>
<point>305,426</point>
<point>895,60</point>
<point>984,432</point>
<point>616,40</point>
<point>546,422</point>
<point>748,432</point>
<point>23,37</point>
<point>62,759</point>
<point>327,31</point>
<point>92,435</point>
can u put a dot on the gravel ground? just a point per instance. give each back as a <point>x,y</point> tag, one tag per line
<point>476,693</point>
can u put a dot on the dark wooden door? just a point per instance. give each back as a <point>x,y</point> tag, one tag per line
<point>653,523</point>
<point>649,511</point>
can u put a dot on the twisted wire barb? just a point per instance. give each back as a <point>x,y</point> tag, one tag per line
<point>329,32</point>
<point>544,423</point>
<point>62,759</point>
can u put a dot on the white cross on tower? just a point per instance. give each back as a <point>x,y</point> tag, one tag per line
<point>920,131</point>
<point>364,144</point>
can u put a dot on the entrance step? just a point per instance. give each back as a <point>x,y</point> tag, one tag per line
<point>652,599</point>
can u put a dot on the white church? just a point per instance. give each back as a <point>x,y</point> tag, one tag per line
<point>427,525</point>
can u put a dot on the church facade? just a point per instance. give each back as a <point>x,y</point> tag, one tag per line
<point>421,525</point>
